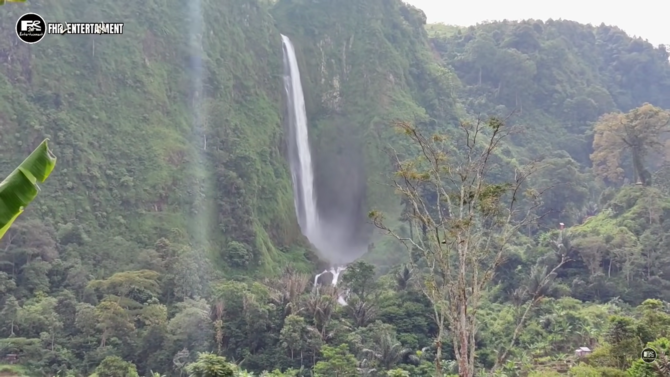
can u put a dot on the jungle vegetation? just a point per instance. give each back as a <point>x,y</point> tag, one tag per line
<point>167,246</point>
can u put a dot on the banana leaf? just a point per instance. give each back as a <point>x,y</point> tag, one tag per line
<point>20,187</point>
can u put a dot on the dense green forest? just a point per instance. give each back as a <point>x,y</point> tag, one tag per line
<point>165,242</point>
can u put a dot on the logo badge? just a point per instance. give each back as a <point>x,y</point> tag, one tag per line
<point>31,28</point>
<point>649,355</point>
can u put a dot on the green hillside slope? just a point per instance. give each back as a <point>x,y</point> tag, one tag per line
<point>559,76</point>
<point>132,165</point>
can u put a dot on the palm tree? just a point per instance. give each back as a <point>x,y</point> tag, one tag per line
<point>539,285</point>
<point>423,354</point>
<point>361,312</point>
<point>387,351</point>
<point>589,334</point>
<point>321,304</point>
<point>365,368</point>
<point>662,364</point>
<point>287,290</point>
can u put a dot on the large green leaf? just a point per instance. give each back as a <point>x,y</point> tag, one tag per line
<point>20,187</point>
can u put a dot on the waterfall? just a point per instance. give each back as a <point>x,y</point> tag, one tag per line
<point>333,229</point>
<point>325,239</point>
<point>302,171</point>
<point>335,272</point>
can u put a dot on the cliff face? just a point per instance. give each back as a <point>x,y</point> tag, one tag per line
<point>363,65</point>
<point>142,150</point>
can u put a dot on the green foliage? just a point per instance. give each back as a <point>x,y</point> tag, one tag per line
<point>20,187</point>
<point>615,245</point>
<point>544,374</point>
<point>641,369</point>
<point>584,371</point>
<point>238,254</point>
<point>159,247</point>
<point>565,190</point>
<point>337,362</point>
<point>210,365</point>
<point>397,373</point>
<point>114,366</point>
<point>359,279</point>
<point>557,76</point>
<point>139,168</point>
<point>637,132</point>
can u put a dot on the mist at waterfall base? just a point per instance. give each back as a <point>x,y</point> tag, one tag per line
<point>335,237</point>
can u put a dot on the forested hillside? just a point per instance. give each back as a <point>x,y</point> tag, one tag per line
<point>165,242</point>
<point>134,164</point>
<point>137,188</point>
<point>557,77</point>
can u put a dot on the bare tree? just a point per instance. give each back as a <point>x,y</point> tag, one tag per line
<point>464,224</point>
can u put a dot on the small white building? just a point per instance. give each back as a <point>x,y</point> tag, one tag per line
<point>582,351</point>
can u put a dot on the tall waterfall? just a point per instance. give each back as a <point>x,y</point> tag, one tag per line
<point>327,239</point>
<point>300,155</point>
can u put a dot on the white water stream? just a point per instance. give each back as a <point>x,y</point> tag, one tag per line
<point>302,171</point>
<point>300,155</point>
<point>335,271</point>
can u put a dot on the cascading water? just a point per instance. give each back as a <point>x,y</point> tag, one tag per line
<point>335,271</point>
<point>302,171</point>
<point>301,156</point>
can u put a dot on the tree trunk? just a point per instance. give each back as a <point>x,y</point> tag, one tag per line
<point>638,166</point>
<point>103,341</point>
<point>463,356</point>
<point>438,356</point>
